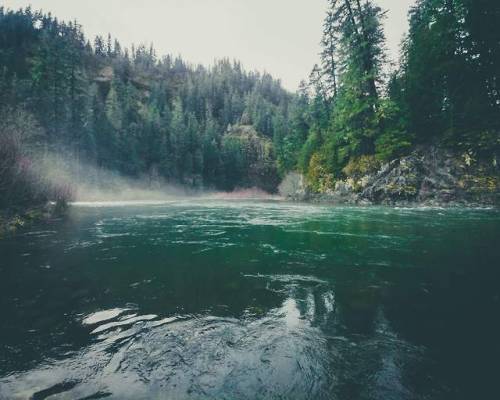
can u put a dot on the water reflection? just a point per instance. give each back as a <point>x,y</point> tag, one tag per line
<point>249,301</point>
<point>318,341</point>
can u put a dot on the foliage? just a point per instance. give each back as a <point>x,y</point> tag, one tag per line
<point>395,140</point>
<point>21,183</point>
<point>445,90</point>
<point>449,72</point>
<point>311,146</point>
<point>318,177</point>
<point>360,166</point>
<point>223,127</point>
<point>351,72</point>
<point>249,160</point>
<point>130,111</point>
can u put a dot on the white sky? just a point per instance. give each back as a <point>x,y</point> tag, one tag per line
<point>278,36</point>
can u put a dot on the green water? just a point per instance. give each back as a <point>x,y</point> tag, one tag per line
<point>252,300</point>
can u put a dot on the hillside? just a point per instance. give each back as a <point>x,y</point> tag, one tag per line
<point>129,110</point>
<point>162,121</point>
<point>428,176</point>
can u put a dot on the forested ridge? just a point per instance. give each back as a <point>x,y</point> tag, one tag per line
<point>444,92</point>
<point>145,116</point>
<point>133,112</point>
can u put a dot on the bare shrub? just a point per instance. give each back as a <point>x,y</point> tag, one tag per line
<point>22,181</point>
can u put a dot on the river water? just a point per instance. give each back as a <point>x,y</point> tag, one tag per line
<point>213,299</point>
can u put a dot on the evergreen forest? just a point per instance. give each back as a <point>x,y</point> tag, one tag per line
<point>148,116</point>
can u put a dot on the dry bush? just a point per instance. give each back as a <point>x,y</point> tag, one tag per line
<point>22,181</point>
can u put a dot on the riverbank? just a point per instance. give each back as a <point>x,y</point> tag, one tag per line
<point>13,220</point>
<point>429,176</point>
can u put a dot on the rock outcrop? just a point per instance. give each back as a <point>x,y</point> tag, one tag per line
<point>251,162</point>
<point>428,176</point>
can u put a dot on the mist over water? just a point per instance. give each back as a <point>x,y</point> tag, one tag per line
<point>87,184</point>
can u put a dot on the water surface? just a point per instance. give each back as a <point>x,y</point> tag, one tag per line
<point>251,300</point>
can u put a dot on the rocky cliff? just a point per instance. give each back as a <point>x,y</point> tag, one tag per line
<point>428,176</point>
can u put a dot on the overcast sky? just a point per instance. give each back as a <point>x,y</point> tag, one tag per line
<point>278,36</point>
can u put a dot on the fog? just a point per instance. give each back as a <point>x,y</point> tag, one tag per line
<point>80,182</point>
<point>83,182</point>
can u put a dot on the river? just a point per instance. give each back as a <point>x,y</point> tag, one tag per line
<point>214,299</point>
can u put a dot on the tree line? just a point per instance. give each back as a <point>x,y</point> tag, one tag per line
<point>356,113</point>
<point>131,111</point>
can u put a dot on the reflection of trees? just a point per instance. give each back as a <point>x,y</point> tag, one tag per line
<point>367,357</point>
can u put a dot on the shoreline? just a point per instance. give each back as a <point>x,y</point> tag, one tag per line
<point>326,200</point>
<point>13,221</point>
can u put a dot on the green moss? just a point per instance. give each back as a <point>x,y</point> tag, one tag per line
<point>11,223</point>
<point>405,190</point>
<point>318,179</point>
<point>360,166</point>
<point>481,184</point>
